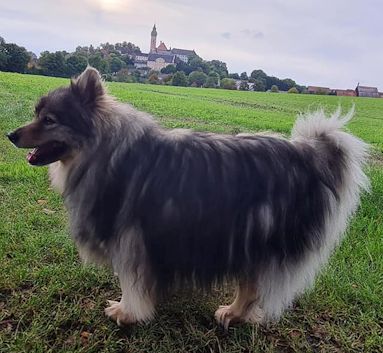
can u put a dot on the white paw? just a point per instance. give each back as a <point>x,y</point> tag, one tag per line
<point>225,315</point>
<point>116,313</point>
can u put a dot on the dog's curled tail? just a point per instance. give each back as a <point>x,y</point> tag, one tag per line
<point>338,158</point>
<point>316,124</point>
<point>316,127</point>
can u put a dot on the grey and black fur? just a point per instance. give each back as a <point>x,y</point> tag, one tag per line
<point>168,208</point>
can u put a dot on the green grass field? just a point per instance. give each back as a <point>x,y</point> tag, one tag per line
<point>49,302</point>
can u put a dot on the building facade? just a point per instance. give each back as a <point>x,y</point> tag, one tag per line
<point>364,91</point>
<point>160,56</point>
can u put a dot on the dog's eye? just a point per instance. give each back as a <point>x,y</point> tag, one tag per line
<point>48,120</point>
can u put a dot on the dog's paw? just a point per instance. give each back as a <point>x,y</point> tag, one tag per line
<point>255,316</point>
<point>225,315</point>
<point>116,313</point>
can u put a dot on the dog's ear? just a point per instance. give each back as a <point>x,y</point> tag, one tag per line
<point>89,86</point>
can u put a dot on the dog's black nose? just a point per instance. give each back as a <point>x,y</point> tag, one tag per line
<point>13,137</point>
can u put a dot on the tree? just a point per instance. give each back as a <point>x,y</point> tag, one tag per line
<point>3,55</point>
<point>14,58</point>
<point>287,83</point>
<point>99,63</point>
<point>124,76</point>
<point>75,64</point>
<point>137,75</point>
<point>228,83</point>
<point>127,48</point>
<point>179,79</point>
<point>301,89</point>
<point>116,64</point>
<point>53,64</point>
<point>293,90</point>
<point>273,81</point>
<point>197,64</point>
<point>244,76</point>
<point>215,76</point>
<point>107,47</point>
<point>210,82</point>
<point>197,78</point>
<point>274,89</point>
<point>234,75</point>
<point>82,50</point>
<point>127,60</point>
<point>259,85</point>
<point>184,67</point>
<point>219,67</point>
<point>170,69</point>
<point>244,86</point>
<point>258,75</point>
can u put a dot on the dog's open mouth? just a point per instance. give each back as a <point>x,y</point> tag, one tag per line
<point>48,153</point>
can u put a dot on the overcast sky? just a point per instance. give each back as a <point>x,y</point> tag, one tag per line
<point>333,43</point>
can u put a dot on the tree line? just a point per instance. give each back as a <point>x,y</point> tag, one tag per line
<point>116,63</point>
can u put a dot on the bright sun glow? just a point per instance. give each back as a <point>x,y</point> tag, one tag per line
<point>112,5</point>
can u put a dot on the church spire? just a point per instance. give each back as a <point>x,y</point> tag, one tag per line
<point>154,30</point>
<point>153,40</point>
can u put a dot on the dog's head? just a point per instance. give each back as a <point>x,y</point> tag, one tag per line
<point>64,120</point>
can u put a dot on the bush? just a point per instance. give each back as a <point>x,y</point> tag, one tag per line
<point>124,76</point>
<point>179,79</point>
<point>274,89</point>
<point>228,83</point>
<point>293,90</point>
<point>197,79</point>
<point>170,69</point>
<point>210,82</point>
<point>153,79</point>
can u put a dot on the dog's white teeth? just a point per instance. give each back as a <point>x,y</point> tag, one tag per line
<point>32,155</point>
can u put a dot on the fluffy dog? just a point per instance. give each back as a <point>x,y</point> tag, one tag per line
<point>169,208</point>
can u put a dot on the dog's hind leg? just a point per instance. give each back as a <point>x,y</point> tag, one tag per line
<point>136,304</point>
<point>243,309</point>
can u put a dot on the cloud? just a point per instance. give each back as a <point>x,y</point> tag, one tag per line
<point>329,43</point>
<point>226,35</point>
<point>252,33</point>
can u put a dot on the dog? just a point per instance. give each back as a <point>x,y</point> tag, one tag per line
<point>167,209</point>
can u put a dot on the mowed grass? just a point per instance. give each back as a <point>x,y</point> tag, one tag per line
<point>50,302</point>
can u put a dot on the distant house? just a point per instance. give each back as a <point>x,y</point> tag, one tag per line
<point>183,54</point>
<point>318,90</point>
<point>249,84</point>
<point>364,91</point>
<point>140,60</point>
<point>344,92</point>
<point>381,94</point>
<point>159,61</point>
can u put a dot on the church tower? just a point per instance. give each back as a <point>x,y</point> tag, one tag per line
<point>153,40</point>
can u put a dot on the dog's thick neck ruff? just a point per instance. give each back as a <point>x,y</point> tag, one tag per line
<point>172,208</point>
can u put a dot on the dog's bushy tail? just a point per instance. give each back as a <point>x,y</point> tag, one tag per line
<point>315,127</point>
<point>339,158</point>
<point>315,124</point>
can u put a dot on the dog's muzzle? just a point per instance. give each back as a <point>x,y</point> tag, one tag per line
<point>13,137</point>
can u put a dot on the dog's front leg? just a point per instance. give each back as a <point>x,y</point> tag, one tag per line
<point>136,304</point>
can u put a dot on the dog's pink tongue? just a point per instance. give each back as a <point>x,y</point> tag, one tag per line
<point>31,156</point>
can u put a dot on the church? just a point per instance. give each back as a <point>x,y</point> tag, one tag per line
<point>160,56</point>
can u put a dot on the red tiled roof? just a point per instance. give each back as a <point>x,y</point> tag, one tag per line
<point>162,46</point>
